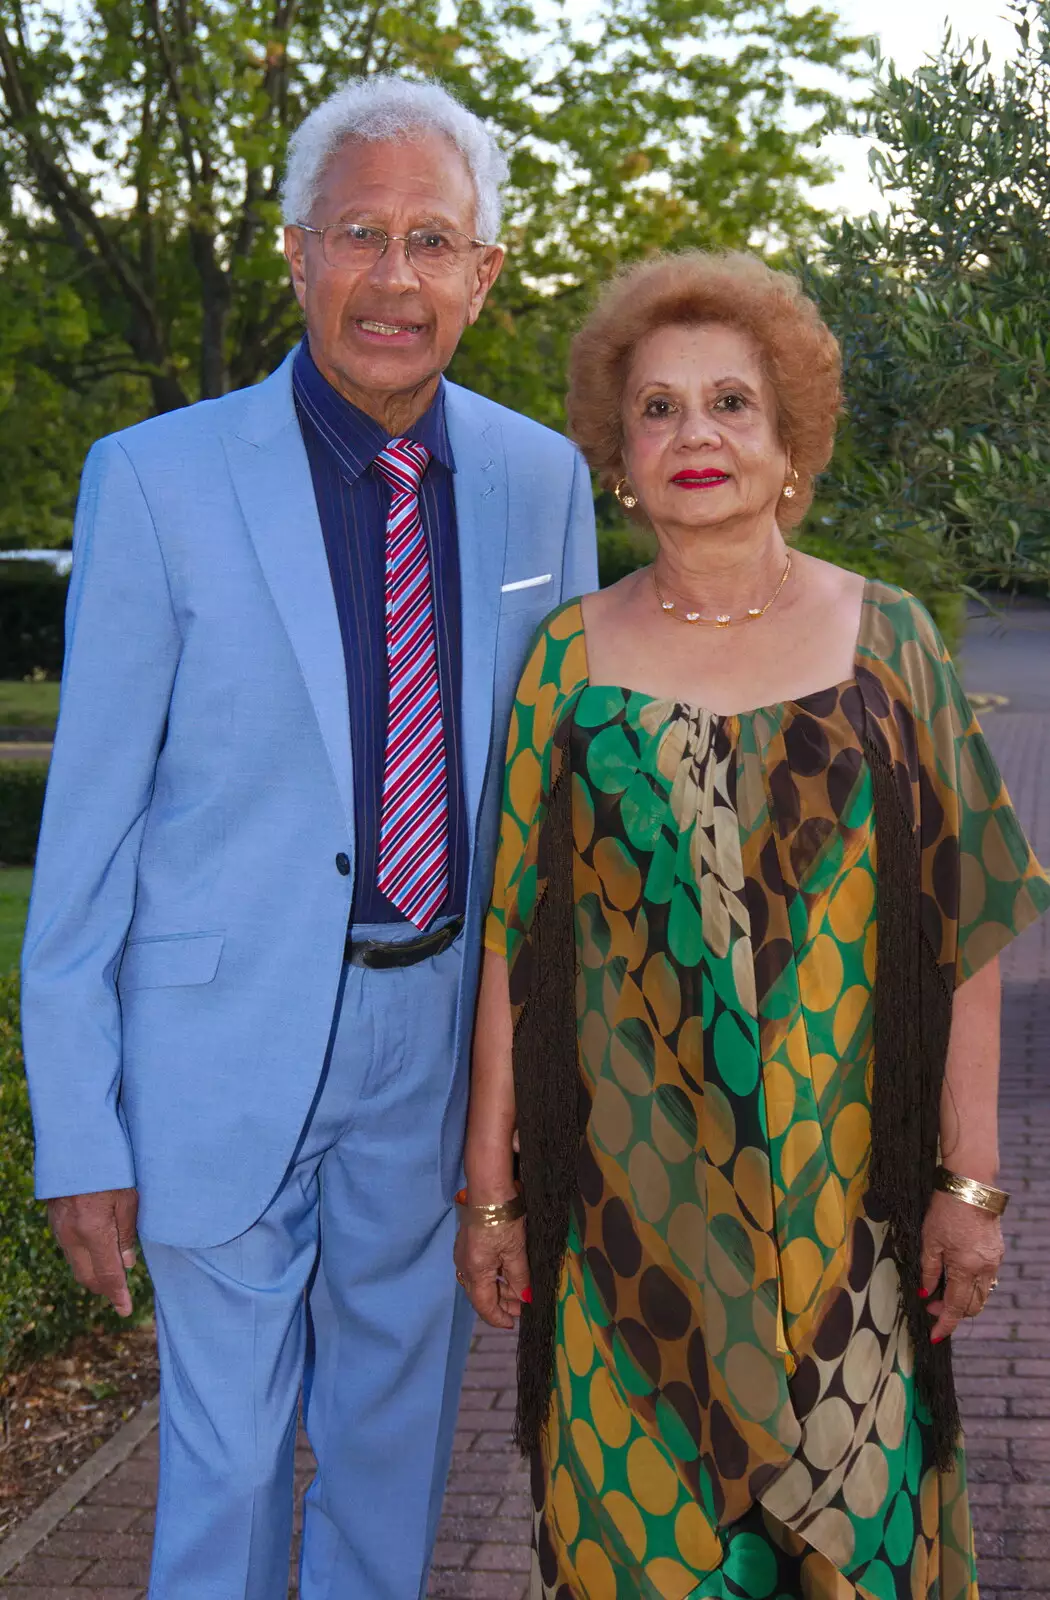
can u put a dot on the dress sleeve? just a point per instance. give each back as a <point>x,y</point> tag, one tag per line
<point>977,864</point>
<point>1002,888</point>
<point>556,668</point>
<point>512,841</point>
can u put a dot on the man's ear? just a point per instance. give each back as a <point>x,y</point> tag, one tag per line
<point>488,270</point>
<point>295,256</point>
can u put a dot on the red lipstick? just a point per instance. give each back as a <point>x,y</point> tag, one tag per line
<point>709,478</point>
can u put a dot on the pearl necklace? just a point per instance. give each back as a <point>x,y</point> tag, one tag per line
<point>723,619</point>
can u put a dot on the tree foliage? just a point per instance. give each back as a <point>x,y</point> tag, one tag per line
<point>142,141</point>
<point>941,308</point>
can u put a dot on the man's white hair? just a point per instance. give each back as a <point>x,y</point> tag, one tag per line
<point>388,107</point>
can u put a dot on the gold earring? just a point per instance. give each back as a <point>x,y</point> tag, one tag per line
<point>789,488</point>
<point>628,500</point>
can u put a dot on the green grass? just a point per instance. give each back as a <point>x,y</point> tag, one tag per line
<point>14,901</point>
<point>28,705</point>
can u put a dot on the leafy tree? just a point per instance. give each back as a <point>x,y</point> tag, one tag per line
<point>941,308</point>
<point>141,144</point>
<point>49,412</point>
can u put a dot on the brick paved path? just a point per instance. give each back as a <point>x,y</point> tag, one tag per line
<point>1004,1362</point>
<point>101,1550</point>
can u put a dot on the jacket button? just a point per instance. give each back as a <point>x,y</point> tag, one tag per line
<point>342,862</point>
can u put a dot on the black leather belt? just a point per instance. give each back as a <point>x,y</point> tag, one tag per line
<point>382,953</point>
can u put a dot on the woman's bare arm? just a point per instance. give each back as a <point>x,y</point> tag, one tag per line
<point>963,1242</point>
<point>488,1159</point>
<point>492,1262</point>
<point>970,1098</point>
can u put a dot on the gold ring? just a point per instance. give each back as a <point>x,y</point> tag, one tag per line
<point>983,1290</point>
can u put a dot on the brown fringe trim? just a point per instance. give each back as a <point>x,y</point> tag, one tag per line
<point>912,1019</point>
<point>551,1101</point>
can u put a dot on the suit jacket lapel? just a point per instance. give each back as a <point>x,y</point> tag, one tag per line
<point>271,475</point>
<point>481,527</point>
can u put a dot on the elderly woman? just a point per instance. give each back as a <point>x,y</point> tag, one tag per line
<point>740,1002</point>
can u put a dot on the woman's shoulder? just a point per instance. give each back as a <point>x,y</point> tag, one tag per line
<point>557,655</point>
<point>563,622</point>
<point>895,619</point>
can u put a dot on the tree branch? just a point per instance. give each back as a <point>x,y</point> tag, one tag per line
<point>82,228</point>
<point>274,81</point>
<point>216,288</point>
<point>371,24</point>
<point>190,153</point>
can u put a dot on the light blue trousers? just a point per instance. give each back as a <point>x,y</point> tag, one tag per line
<point>346,1287</point>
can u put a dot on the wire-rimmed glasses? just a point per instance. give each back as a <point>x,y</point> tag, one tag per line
<point>433,251</point>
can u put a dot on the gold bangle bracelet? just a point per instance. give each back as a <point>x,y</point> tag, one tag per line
<point>981,1195</point>
<point>491,1216</point>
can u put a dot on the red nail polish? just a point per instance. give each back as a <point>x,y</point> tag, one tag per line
<point>526,1297</point>
<point>924,1294</point>
<point>939,1339</point>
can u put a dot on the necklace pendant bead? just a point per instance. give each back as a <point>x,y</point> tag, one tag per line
<point>722,619</point>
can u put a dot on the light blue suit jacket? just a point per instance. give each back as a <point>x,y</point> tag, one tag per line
<point>185,936</point>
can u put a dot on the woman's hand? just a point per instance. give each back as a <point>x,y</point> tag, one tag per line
<point>493,1267</point>
<point>966,1245</point>
<point>491,1262</point>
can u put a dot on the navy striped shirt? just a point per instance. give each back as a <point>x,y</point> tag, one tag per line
<point>353,498</point>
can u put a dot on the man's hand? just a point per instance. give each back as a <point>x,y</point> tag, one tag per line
<point>97,1235</point>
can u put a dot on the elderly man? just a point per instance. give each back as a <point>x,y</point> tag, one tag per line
<point>296,619</point>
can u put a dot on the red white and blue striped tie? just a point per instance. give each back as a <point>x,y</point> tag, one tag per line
<point>413,833</point>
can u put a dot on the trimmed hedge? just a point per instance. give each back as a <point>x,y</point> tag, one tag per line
<point>41,1306</point>
<point>22,785</point>
<point>32,619</point>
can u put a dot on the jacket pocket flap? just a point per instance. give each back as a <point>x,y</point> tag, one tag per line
<point>159,963</point>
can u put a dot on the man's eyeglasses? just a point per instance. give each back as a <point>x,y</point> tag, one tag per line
<point>432,251</point>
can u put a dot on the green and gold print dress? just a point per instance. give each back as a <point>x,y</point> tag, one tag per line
<point>733,1410</point>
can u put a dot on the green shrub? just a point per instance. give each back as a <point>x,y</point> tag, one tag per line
<point>15,884</point>
<point>622,548</point>
<point>28,704</point>
<point>22,785</point>
<point>32,619</point>
<point>41,1306</point>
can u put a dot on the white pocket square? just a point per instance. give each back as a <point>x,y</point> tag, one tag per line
<point>526,583</point>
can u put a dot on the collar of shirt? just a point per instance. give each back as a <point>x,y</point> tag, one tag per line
<point>353,437</point>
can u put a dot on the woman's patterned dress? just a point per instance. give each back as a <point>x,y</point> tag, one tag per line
<point>734,1412</point>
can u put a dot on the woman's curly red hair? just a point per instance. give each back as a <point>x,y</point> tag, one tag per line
<point>800,354</point>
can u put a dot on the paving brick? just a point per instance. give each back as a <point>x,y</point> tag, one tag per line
<point>120,1573</point>
<point>22,1591</point>
<point>448,1555</point>
<point>135,1493</point>
<point>472,1505</point>
<point>52,1572</point>
<point>485,1530</point>
<point>90,1517</point>
<point>502,1558</point>
<point>478,1586</point>
<point>81,1544</point>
